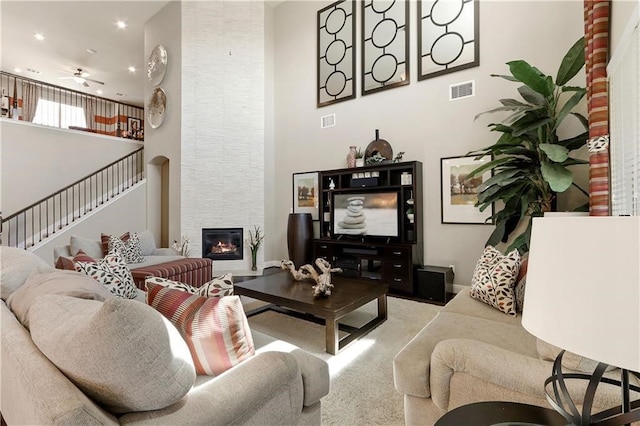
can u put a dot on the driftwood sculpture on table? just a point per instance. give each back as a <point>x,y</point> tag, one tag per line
<point>308,272</point>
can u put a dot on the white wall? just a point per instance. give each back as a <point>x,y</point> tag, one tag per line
<point>621,13</point>
<point>418,118</point>
<point>126,212</point>
<point>39,160</point>
<point>214,131</point>
<point>165,28</point>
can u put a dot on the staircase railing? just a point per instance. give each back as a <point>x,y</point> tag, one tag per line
<point>51,214</point>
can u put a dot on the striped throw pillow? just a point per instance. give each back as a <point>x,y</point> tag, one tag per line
<point>216,329</point>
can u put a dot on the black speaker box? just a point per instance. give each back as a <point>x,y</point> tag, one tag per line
<point>434,282</point>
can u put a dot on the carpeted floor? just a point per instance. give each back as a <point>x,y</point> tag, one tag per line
<point>362,391</point>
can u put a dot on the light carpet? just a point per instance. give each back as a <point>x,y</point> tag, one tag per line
<point>362,391</point>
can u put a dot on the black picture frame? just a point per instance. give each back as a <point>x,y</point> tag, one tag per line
<point>305,194</point>
<point>378,52</point>
<point>449,30</point>
<point>131,121</point>
<point>457,203</point>
<point>336,47</point>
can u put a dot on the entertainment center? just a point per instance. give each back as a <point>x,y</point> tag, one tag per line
<point>371,222</point>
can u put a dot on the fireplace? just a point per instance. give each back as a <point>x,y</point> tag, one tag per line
<point>222,243</point>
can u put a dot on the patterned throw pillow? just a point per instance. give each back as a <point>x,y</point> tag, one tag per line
<point>104,241</point>
<point>521,283</point>
<point>128,246</point>
<point>113,273</point>
<point>215,328</point>
<point>494,278</point>
<point>68,263</point>
<point>217,287</point>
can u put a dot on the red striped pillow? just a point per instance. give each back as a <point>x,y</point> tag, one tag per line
<point>215,329</point>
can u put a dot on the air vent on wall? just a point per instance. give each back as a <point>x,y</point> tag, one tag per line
<point>461,90</point>
<point>327,121</point>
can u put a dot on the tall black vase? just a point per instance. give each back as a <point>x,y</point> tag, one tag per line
<point>300,238</point>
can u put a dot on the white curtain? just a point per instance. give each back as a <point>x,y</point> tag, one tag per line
<point>30,95</point>
<point>89,106</point>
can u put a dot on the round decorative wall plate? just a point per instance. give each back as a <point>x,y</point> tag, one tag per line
<point>156,108</point>
<point>157,65</point>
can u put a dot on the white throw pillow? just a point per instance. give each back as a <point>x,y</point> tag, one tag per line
<point>92,248</point>
<point>147,243</point>
<point>16,265</point>
<point>121,353</point>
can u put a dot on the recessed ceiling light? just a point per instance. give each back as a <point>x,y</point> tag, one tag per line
<point>121,24</point>
<point>16,69</point>
<point>99,92</point>
<point>92,51</point>
<point>132,69</point>
<point>39,36</point>
<point>33,71</point>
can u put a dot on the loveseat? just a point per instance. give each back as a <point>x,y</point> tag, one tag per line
<point>158,262</point>
<point>471,352</point>
<point>282,386</point>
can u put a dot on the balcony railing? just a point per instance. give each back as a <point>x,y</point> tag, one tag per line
<point>42,103</point>
<point>44,218</point>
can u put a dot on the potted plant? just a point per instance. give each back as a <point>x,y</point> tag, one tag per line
<point>359,157</point>
<point>410,215</point>
<point>255,240</point>
<point>530,164</point>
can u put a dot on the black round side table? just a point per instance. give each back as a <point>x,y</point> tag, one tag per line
<point>501,413</point>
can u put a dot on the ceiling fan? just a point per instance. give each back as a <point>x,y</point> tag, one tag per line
<point>81,77</point>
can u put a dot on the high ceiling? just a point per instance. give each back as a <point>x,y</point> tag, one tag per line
<point>70,28</point>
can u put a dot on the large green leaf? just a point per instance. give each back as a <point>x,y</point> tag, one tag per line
<point>558,176</point>
<point>582,118</point>
<point>522,107</point>
<point>555,152</point>
<point>488,166</point>
<point>574,161</point>
<point>572,88</point>
<point>575,142</point>
<point>572,62</point>
<point>497,234</point>
<point>506,77</point>
<point>531,96</point>
<point>497,178</point>
<point>523,128</point>
<point>513,102</point>
<point>568,106</point>
<point>515,150</point>
<point>530,76</point>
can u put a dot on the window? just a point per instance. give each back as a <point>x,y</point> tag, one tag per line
<point>56,114</point>
<point>624,84</point>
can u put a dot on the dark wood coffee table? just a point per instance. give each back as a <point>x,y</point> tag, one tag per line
<point>295,298</point>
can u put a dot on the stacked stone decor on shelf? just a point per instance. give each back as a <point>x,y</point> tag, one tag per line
<point>355,220</point>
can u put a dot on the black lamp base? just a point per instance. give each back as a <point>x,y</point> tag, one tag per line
<point>624,414</point>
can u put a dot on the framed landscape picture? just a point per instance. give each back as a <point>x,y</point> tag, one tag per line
<point>305,193</point>
<point>459,193</point>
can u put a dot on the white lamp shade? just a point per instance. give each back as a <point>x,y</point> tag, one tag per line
<point>583,287</point>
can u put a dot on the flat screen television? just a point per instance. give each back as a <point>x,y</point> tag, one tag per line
<point>373,214</point>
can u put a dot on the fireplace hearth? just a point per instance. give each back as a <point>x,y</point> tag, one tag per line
<point>222,243</point>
